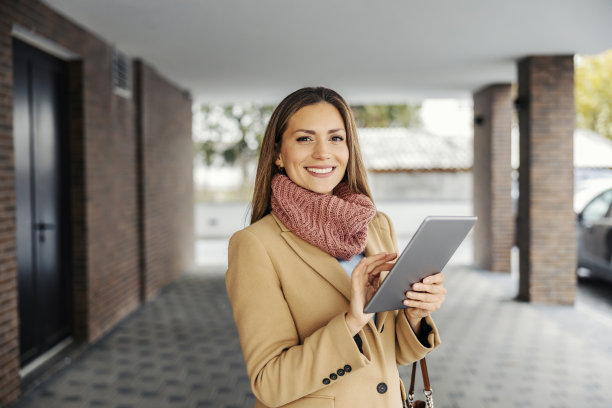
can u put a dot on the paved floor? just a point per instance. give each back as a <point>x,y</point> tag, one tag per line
<point>181,350</point>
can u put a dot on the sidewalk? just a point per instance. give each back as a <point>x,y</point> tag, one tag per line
<point>182,350</point>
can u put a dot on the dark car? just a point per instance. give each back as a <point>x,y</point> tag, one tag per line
<point>593,206</point>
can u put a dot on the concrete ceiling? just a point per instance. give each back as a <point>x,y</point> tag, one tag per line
<point>370,51</point>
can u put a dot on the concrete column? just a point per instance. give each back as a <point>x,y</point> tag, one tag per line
<point>546,221</point>
<point>494,231</point>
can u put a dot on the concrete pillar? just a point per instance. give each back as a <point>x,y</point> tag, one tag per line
<point>494,231</point>
<point>546,221</point>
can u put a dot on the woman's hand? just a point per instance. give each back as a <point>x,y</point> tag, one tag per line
<point>365,280</point>
<point>425,298</point>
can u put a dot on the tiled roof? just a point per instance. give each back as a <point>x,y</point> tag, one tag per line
<point>402,149</point>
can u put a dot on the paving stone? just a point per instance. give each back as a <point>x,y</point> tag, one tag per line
<point>182,350</point>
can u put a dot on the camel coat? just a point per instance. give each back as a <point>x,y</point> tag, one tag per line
<point>289,300</point>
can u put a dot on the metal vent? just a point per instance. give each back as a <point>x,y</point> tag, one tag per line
<point>122,74</point>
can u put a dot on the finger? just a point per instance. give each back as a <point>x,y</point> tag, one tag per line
<point>421,287</point>
<point>361,268</point>
<point>425,297</point>
<point>428,307</point>
<point>381,264</point>
<point>378,258</point>
<point>435,279</point>
<point>377,269</point>
<point>374,275</point>
<point>363,265</point>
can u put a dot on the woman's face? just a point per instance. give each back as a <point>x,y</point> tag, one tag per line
<point>314,152</point>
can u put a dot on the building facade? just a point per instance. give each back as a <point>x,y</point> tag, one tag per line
<point>96,197</point>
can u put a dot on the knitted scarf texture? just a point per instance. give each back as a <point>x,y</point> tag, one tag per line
<point>338,223</point>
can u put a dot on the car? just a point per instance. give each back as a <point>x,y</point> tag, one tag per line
<point>593,207</point>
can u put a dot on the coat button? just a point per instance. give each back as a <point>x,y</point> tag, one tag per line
<point>326,381</point>
<point>381,388</point>
<point>333,376</point>
<point>340,372</point>
<point>347,368</point>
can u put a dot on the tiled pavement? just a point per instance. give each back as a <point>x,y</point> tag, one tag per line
<point>181,350</point>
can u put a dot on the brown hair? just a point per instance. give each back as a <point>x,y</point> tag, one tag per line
<point>355,175</point>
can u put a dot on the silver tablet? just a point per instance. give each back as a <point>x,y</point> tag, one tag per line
<point>433,244</point>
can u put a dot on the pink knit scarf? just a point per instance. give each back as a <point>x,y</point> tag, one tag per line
<point>338,223</point>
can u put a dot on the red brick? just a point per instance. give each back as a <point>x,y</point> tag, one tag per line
<point>546,233</point>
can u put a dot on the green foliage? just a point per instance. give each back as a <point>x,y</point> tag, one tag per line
<point>387,115</point>
<point>593,93</point>
<point>225,134</point>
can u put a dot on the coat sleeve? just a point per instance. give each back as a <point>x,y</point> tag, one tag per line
<point>280,368</point>
<point>408,347</point>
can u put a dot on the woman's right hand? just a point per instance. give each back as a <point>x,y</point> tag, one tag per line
<point>365,280</point>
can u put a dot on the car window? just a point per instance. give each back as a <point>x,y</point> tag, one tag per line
<point>598,208</point>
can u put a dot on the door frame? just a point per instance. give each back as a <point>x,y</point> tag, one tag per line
<point>74,249</point>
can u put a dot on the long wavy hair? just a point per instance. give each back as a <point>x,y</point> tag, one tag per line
<point>355,174</point>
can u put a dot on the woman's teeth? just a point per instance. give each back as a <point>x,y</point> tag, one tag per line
<point>320,171</point>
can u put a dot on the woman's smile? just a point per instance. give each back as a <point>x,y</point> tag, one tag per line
<point>320,171</point>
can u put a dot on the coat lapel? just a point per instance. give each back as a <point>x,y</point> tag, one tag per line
<point>328,267</point>
<point>323,263</point>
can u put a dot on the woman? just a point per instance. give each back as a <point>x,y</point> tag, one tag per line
<point>300,275</point>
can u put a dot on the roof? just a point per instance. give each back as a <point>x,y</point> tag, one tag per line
<point>370,51</point>
<point>406,150</point>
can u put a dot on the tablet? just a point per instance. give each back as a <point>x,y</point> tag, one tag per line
<point>430,248</point>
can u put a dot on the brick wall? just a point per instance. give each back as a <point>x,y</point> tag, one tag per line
<point>494,231</point>
<point>167,188</point>
<point>106,214</point>
<point>546,220</point>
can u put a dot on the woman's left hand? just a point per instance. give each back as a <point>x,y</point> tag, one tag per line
<point>425,298</point>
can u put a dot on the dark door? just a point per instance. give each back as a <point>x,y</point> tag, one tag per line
<point>40,138</point>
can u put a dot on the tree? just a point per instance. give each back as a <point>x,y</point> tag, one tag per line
<point>593,92</point>
<point>230,135</point>
<point>231,132</point>
<point>387,115</point>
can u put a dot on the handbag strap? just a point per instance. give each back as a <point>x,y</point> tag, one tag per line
<point>425,375</point>
<point>412,376</point>
<point>427,386</point>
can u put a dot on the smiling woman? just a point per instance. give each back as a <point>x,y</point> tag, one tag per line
<point>299,276</point>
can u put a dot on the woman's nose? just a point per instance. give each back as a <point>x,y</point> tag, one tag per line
<point>321,151</point>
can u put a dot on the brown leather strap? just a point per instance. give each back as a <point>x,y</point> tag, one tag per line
<point>411,390</point>
<point>425,374</point>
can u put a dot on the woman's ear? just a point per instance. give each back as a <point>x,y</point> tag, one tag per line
<point>279,162</point>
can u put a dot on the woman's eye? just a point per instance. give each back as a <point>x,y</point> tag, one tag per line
<point>337,138</point>
<point>303,138</point>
